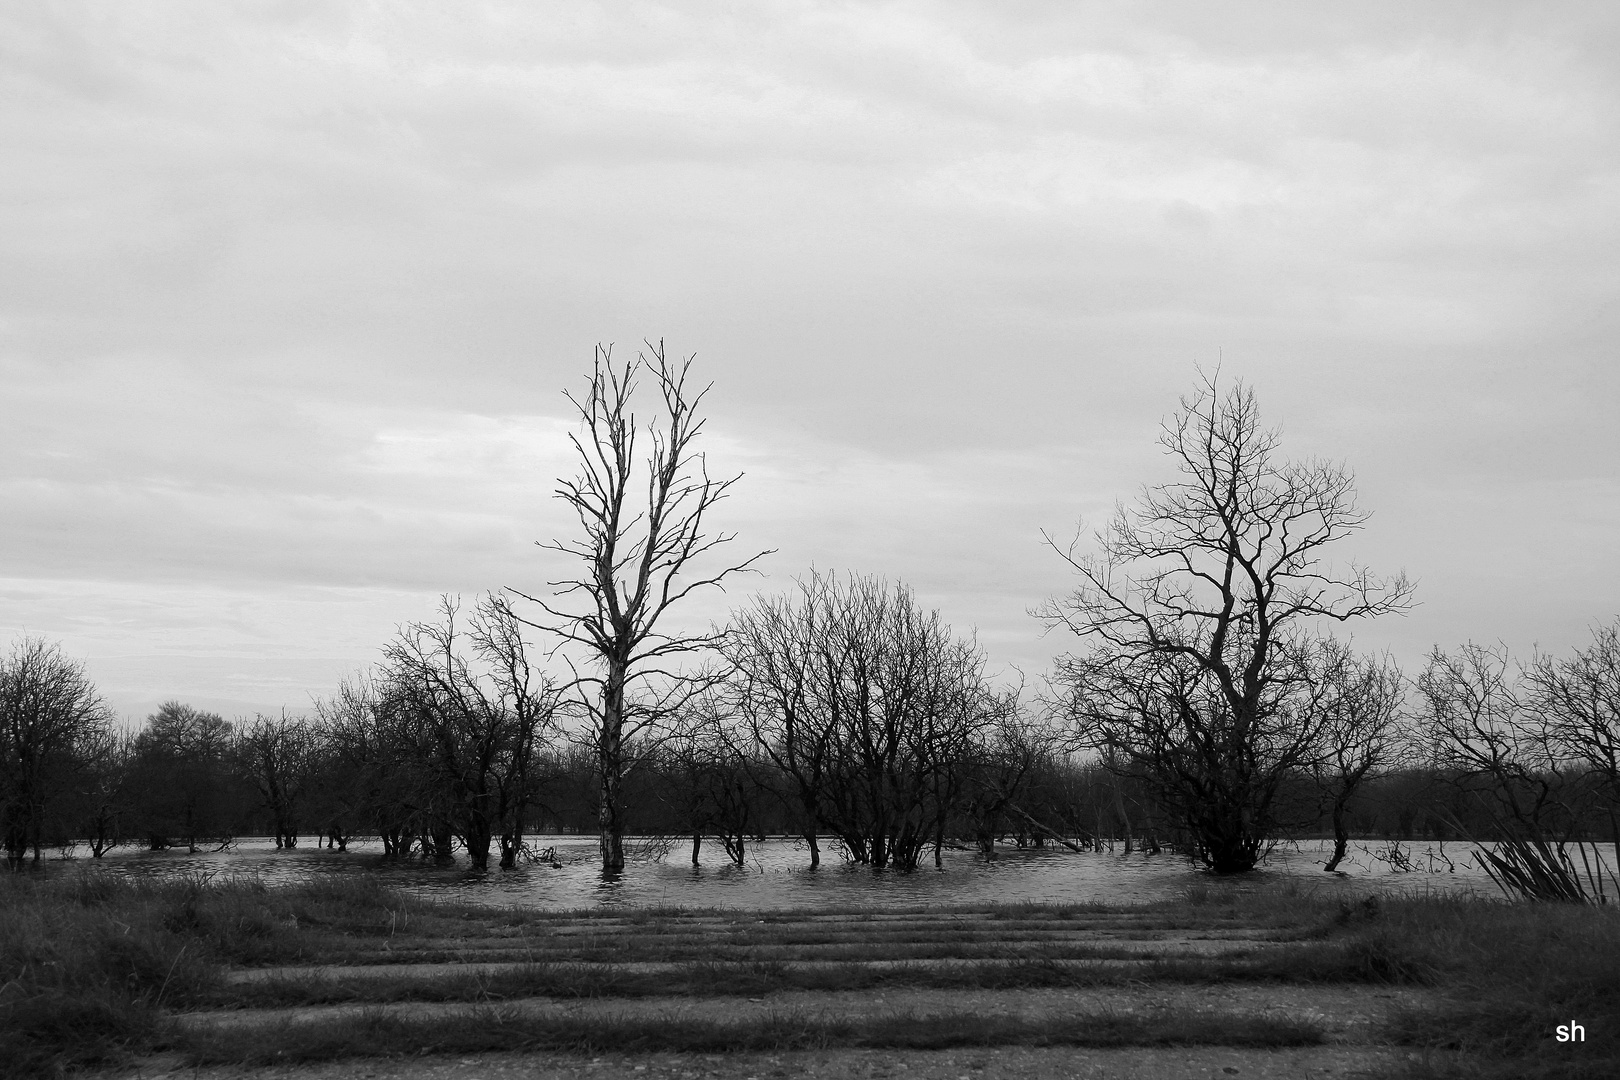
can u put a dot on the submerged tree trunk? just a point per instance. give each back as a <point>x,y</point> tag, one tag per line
<point>511,846</point>
<point>610,831</point>
<point>610,763</point>
<point>610,827</point>
<point>1341,838</point>
<point>1124,816</point>
<point>477,840</point>
<point>1229,846</point>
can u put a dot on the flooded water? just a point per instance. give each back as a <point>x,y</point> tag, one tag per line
<point>777,875</point>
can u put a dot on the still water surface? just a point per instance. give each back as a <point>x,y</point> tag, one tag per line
<point>777,875</point>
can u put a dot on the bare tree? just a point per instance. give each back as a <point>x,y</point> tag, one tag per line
<point>638,561</point>
<point>1196,610</point>
<point>1480,734</point>
<point>179,762</point>
<point>51,719</point>
<point>868,705</point>
<point>276,753</point>
<point>474,711</point>
<point>104,803</point>
<point>1508,758</point>
<point>374,771</point>
<point>1579,700</point>
<point>776,654</point>
<point>1358,700</point>
<point>997,775</point>
<point>715,784</point>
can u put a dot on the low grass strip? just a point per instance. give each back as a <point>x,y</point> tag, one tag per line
<point>1359,962</point>
<point>652,952</point>
<point>634,951</point>
<point>378,1033</point>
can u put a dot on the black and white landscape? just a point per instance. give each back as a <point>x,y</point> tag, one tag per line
<point>524,451</point>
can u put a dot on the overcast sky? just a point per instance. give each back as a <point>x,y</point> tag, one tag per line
<point>289,293</point>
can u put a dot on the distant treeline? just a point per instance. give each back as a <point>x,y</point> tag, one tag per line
<point>1206,706</point>
<point>437,758</point>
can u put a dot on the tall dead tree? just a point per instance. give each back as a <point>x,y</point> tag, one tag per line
<point>636,560</point>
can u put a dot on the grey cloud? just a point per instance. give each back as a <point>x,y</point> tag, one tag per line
<point>284,288</point>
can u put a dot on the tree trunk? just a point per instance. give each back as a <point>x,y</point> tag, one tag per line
<point>1228,846</point>
<point>1341,838</point>
<point>477,840</point>
<point>1152,829</point>
<point>610,763</point>
<point>609,828</point>
<point>815,848</point>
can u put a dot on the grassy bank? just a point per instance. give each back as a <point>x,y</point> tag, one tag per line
<point>1513,975</point>
<point>493,1028</point>
<point>89,963</point>
<point>95,968</point>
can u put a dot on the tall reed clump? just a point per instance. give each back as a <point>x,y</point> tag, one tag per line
<point>1533,868</point>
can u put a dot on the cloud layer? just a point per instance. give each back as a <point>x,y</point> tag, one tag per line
<point>290,291</point>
